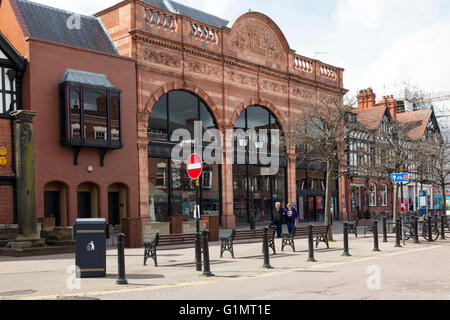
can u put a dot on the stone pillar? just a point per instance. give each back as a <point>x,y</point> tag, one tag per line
<point>26,184</point>
<point>228,217</point>
<point>291,179</point>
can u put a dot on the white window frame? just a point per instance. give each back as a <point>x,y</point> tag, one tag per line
<point>373,196</point>
<point>384,195</point>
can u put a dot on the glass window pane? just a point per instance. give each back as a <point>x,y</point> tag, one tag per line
<point>7,80</point>
<point>2,110</point>
<point>183,191</point>
<point>157,123</point>
<point>115,116</point>
<point>8,101</point>
<point>95,116</point>
<point>75,95</point>
<point>158,179</point>
<point>183,110</point>
<point>206,117</point>
<point>211,189</point>
<point>240,193</point>
<point>257,118</point>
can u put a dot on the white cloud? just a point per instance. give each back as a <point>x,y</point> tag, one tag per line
<point>366,14</point>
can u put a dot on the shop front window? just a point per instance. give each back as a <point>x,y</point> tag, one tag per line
<point>179,110</point>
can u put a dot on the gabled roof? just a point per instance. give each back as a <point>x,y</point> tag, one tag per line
<point>188,11</point>
<point>11,53</point>
<point>371,117</point>
<point>48,23</point>
<point>417,120</point>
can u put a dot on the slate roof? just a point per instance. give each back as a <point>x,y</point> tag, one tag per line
<point>50,24</point>
<point>189,12</point>
<point>417,121</point>
<point>84,77</point>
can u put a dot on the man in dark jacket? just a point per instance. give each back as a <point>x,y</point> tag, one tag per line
<point>278,218</point>
<point>291,217</point>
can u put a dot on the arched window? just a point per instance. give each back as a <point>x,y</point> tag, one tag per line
<point>384,195</point>
<point>178,110</point>
<point>373,194</point>
<point>171,191</point>
<point>255,193</point>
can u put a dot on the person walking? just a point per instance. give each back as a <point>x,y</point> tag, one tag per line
<point>291,216</point>
<point>278,218</point>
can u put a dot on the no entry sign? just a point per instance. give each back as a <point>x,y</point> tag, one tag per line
<point>194,166</point>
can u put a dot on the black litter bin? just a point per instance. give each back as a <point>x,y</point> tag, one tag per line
<point>90,253</point>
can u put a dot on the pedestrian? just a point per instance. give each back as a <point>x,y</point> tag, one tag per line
<point>278,218</point>
<point>290,217</point>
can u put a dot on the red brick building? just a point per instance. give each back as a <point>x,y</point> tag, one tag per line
<point>362,192</point>
<point>235,71</point>
<point>109,91</point>
<point>72,76</point>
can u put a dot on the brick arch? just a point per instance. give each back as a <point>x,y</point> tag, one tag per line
<point>260,102</point>
<point>186,86</point>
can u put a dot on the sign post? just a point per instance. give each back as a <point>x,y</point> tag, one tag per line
<point>194,170</point>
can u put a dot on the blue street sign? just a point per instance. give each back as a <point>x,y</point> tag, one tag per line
<point>400,177</point>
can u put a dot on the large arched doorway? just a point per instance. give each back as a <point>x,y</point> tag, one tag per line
<point>171,191</point>
<point>255,193</point>
<point>55,203</point>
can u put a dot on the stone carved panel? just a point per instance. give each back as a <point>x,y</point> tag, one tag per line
<point>203,69</point>
<point>241,78</point>
<point>329,99</point>
<point>273,86</point>
<point>303,93</point>
<point>160,58</point>
<point>257,40</point>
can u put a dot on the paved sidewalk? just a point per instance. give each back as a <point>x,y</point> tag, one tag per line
<point>47,277</point>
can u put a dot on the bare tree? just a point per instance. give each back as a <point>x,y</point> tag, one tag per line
<point>435,164</point>
<point>396,153</point>
<point>319,130</point>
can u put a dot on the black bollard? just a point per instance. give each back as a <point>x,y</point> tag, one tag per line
<point>401,226</point>
<point>397,233</point>
<point>206,267</point>
<point>430,229</point>
<point>443,218</point>
<point>375,235</point>
<point>121,259</point>
<point>311,245</point>
<point>415,227</point>
<point>385,239</point>
<point>266,248</point>
<point>346,253</point>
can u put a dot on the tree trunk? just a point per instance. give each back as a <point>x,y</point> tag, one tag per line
<point>328,216</point>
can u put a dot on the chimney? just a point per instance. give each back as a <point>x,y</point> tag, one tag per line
<point>366,99</point>
<point>390,103</point>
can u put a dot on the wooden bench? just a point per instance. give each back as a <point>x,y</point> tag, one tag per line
<point>226,243</point>
<point>320,232</point>
<point>165,240</point>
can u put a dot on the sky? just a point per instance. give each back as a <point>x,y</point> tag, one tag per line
<point>382,44</point>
